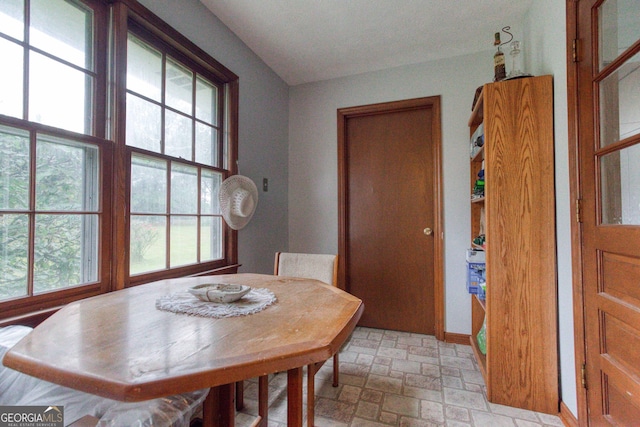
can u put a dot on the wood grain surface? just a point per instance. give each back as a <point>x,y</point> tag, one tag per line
<point>118,345</point>
<point>521,365</point>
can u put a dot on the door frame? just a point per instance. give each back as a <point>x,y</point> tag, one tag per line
<point>575,191</point>
<point>433,103</point>
<point>577,50</point>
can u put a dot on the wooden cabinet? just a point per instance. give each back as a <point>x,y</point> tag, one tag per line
<point>520,367</point>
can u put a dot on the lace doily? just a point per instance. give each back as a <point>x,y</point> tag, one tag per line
<point>183,302</point>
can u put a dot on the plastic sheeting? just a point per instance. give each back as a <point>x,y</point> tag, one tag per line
<point>20,389</point>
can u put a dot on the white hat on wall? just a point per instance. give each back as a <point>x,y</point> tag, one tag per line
<point>238,198</point>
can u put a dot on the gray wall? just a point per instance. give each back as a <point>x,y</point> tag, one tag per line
<point>263,126</point>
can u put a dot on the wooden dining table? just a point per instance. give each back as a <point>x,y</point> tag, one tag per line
<point>120,346</point>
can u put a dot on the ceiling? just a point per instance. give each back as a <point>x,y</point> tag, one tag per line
<point>311,40</point>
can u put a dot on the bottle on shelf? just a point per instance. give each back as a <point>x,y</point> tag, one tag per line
<point>499,70</point>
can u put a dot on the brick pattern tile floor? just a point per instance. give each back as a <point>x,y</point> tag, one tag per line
<point>390,378</point>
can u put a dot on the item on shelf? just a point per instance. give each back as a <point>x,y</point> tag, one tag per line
<point>479,242</point>
<point>476,266</point>
<point>478,187</point>
<point>516,72</point>
<point>478,190</point>
<point>515,60</point>
<point>477,141</point>
<point>499,71</point>
<point>482,337</point>
<point>482,291</point>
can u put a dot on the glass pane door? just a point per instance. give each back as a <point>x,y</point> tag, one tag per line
<point>618,81</point>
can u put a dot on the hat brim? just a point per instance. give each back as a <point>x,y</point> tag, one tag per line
<point>225,193</point>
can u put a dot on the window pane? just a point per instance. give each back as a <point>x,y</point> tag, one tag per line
<point>210,238</point>
<point>147,244</point>
<point>620,174</point>
<point>63,29</point>
<point>206,101</point>
<point>184,243</point>
<point>184,189</point>
<point>12,18</point>
<point>14,168</point>
<point>148,185</point>
<point>177,137</point>
<point>179,87</point>
<point>206,144</point>
<point>66,175</point>
<point>11,79</point>
<point>209,187</point>
<point>59,95</point>
<point>144,124</point>
<point>144,69</point>
<point>620,103</point>
<point>14,241</point>
<point>65,252</point>
<point>619,28</point>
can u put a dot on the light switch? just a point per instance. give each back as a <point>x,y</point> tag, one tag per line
<point>265,184</point>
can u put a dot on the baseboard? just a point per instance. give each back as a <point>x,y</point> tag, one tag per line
<point>454,338</point>
<point>567,417</point>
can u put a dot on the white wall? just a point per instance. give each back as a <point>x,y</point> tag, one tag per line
<point>545,53</point>
<point>263,125</point>
<point>313,174</point>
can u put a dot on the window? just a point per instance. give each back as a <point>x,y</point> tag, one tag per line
<point>51,232</point>
<point>49,226</point>
<point>172,114</point>
<point>107,183</point>
<point>49,60</point>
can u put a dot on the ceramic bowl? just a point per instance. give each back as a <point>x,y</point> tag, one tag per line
<point>219,292</point>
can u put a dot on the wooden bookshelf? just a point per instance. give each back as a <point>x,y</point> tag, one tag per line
<point>520,367</point>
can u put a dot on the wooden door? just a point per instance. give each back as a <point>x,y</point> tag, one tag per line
<point>608,106</point>
<point>389,225</point>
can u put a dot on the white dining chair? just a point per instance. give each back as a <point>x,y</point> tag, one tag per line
<point>320,267</point>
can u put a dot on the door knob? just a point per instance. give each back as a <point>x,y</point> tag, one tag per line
<point>428,231</point>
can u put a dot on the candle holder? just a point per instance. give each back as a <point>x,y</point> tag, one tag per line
<point>515,61</point>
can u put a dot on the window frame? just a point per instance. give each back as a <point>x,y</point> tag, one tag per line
<point>128,15</point>
<point>14,308</point>
<point>112,21</point>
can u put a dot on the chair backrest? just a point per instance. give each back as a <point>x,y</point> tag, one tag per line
<point>310,266</point>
